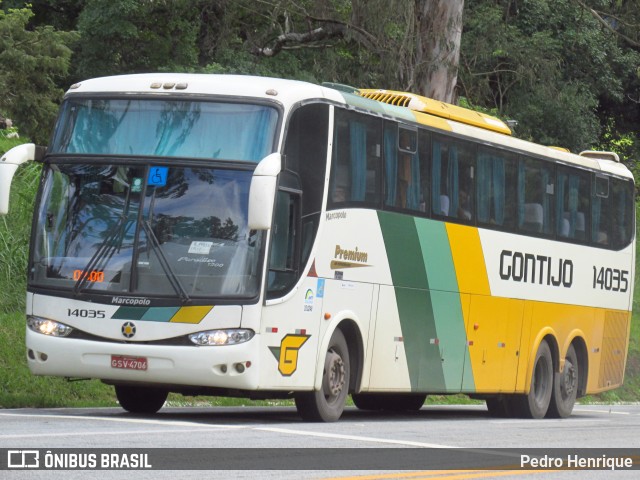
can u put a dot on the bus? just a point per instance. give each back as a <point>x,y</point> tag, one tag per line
<point>266,238</point>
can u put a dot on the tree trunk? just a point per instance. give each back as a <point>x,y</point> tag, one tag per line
<point>439,29</point>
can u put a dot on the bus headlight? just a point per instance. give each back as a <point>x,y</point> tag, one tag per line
<point>232,336</point>
<point>48,327</point>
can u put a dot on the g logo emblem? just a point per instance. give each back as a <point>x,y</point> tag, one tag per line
<point>128,329</point>
<point>289,346</point>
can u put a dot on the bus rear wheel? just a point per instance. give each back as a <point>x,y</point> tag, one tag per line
<point>565,387</point>
<point>327,404</point>
<point>535,404</point>
<point>141,399</point>
<point>392,403</point>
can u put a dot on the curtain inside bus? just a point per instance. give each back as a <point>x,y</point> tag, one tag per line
<point>172,128</point>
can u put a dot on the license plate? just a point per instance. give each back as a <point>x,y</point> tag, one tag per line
<point>128,363</point>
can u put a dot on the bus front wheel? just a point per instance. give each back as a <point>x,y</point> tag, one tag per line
<point>535,404</point>
<point>565,387</point>
<point>327,404</point>
<point>140,399</point>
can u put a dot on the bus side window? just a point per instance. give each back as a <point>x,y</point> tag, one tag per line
<point>452,180</point>
<point>283,264</point>
<point>535,197</point>
<point>624,218</point>
<point>623,225</point>
<point>305,151</point>
<point>572,201</point>
<point>496,192</point>
<point>403,186</point>
<point>356,166</point>
<point>600,211</point>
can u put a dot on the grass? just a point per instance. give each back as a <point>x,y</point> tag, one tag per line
<point>18,388</point>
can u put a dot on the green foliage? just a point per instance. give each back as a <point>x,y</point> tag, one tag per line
<point>32,61</point>
<point>126,36</point>
<point>14,238</point>
<point>18,388</point>
<point>551,65</point>
<point>626,145</point>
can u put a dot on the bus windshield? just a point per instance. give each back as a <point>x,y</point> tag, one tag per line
<point>146,229</point>
<point>168,128</point>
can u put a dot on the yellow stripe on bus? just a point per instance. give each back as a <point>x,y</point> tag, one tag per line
<point>191,314</point>
<point>468,259</point>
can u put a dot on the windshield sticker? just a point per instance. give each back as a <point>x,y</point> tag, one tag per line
<point>158,176</point>
<point>136,185</point>
<point>200,248</point>
<point>210,262</point>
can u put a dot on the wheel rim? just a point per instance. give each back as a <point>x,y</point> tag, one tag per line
<point>540,381</point>
<point>334,376</point>
<point>569,379</point>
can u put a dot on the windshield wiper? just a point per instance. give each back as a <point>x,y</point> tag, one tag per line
<point>105,251</point>
<point>164,263</point>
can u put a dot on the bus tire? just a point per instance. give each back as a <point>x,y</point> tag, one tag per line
<point>403,402</point>
<point>327,404</point>
<point>141,399</point>
<point>536,403</point>
<point>565,387</point>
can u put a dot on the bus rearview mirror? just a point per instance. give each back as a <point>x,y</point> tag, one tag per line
<point>9,163</point>
<point>262,192</point>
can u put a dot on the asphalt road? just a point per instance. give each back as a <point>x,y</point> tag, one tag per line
<point>275,436</point>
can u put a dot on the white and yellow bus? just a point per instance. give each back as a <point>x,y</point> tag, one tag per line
<point>266,238</point>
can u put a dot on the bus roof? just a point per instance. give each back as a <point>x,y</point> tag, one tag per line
<point>406,107</point>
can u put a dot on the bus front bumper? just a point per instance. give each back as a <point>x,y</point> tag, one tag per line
<point>229,366</point>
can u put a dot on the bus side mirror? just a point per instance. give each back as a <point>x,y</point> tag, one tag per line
<point>262,192</point>
<point>9,163</point>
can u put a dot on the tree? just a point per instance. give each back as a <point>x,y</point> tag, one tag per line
<point>550,64</point>
<point>31,64</point>
<point>414,44</point>
<point>439,31</point>
<point>129,36</point>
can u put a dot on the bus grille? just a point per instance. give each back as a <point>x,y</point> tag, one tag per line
<point>616,325</point>
<point>392,98</point>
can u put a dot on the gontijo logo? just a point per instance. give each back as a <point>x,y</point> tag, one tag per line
<point>287,352</point>
<point>288,361</point>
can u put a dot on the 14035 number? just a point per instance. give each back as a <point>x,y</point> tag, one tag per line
<point>610,279</point>
<point>82,313</point>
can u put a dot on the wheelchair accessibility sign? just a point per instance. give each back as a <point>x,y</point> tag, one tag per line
<point>158,176</point>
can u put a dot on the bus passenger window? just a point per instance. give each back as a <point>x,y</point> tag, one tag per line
<point>356,170</point>
<point>496,192</point>
<point>535,197</point>
<point>452,180</point>
<point>572,201</point>
<point>612,213</point>
<point>623,224</point>
<point>402,168</point>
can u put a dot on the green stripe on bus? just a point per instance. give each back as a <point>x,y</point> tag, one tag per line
<point>160,314</point>
<point>151,314</point>
<point>413,301</point>
<point>445,299</point>
<point>428,303</point>
<point>130,313</point>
